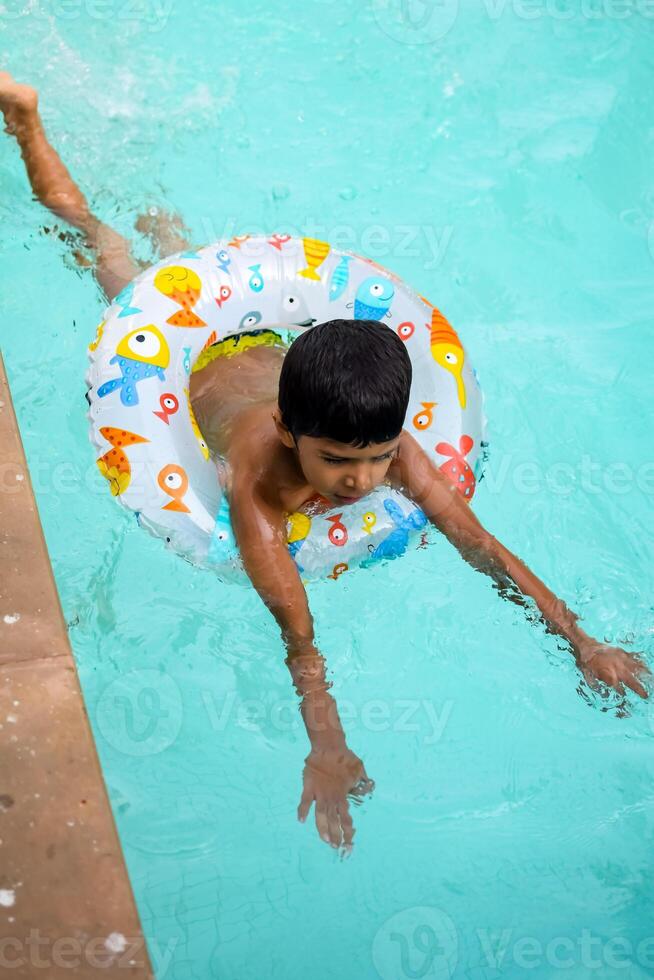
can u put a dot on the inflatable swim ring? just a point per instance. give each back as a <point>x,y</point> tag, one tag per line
<point>196,305</point>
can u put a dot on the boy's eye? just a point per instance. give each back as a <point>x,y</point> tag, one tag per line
<point>327,459</point>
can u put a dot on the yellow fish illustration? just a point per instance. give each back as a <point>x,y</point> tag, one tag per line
<point>98,335</point>
<point>196,428</point>
<point>369,521</point>
<point>299,526</point>
<point>114,465</point>
<point>315,253</point>
<point>183,287</point>
<point>447,351</point>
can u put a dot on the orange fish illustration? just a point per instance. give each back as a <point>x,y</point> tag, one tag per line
<point>183,287</point>
<point>174,482</point>
<point>238,240</point>
<point>315,253</point>
<point>446,349</point>
<point>338,570</point>
<point>422,420</point>
<point>114,465</point>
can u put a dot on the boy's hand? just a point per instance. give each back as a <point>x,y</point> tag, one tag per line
<point>612,666</point>
<point>331,775</point>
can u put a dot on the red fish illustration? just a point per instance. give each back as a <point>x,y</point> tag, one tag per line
<point>223,296</point>
<point>169,406</point>
<point>456,468</point>
<point>338,531</point>
<point>405,330</point>
<point>278,240</point>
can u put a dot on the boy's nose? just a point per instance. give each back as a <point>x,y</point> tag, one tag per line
<point>361,482</point>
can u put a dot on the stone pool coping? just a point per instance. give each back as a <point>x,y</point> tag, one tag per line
<point>66,904</point>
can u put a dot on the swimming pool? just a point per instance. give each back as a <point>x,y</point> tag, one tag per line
<point>498,159</point>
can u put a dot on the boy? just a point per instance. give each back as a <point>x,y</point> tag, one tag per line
<point>324,424</point>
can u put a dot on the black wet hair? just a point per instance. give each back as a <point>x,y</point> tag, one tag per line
<point>346,380</point>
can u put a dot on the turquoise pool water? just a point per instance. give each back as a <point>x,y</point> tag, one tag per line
<point>499,158</point>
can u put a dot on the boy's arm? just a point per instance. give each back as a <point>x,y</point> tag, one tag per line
<point>260,531</point>
<point>332,771</point>
<point>415,474</point>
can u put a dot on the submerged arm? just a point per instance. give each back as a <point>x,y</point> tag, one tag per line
<point>415,474</point>
<point>332,771</point>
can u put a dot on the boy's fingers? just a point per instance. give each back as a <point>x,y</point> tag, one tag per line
<point>322,825</point>
<point>304,807</point>
<point>346,823</point>
<point>636,686</point>
<point>334,822</point>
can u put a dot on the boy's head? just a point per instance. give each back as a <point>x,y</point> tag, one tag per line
<point>343,395</point>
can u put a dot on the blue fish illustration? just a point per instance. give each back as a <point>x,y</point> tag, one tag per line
<point>187,359</point>
<point>124,299</point>
<point>223,260</point>
<point>340,278</point>
<point>396,542</point>
<point>250,320</point>
<point>223,543</point>
<point>256,279</point>
<point>373,299</point>
<point>141,354</point>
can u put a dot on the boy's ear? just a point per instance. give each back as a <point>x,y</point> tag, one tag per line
<point>283,433</point>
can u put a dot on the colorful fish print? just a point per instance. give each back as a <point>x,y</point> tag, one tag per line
<point>182,286</point>
<point>456,468</point>
<point>447,350</point>
<point>256,279</point>
<point>298,526</point>
<point>223,295</point>
<point>373,299</point>
<point>98,336</point>
<point>222,546</point>
<point>169,405</point>
<point>315,253</point>
<point>340,278</point>
<point>224,261</point>
<point>141,354</point>
<point>187,359</point>
<point>114,465</point>
<point>424,418</point>
<point>396,542</point>
<point>338,532</point>
<point>294,310</point>
<point>204,449</point>
<point>369,521</point>
<point>338,569</point>
<point>406,330</point>
<point>238,240</point>
<point>124,299</point>
<point>250,319</point>
<point>174,482</point>
<point>277,241</point>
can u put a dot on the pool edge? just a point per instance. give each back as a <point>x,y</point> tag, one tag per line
<point>66,902</point>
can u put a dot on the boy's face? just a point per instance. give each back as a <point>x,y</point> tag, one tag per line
<point>338,471</point>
